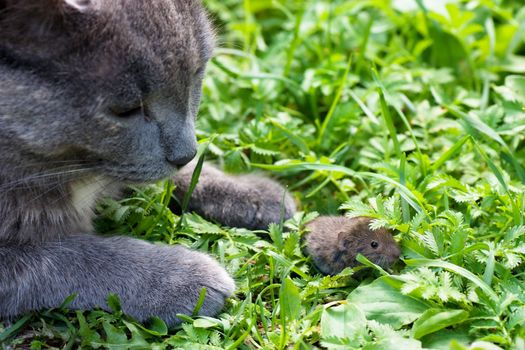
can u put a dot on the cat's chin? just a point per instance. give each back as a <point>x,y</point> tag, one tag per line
<point>142,176</point>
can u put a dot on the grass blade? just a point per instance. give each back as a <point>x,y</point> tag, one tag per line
<point>450,153</point>
<point>335,103</point>
<point>14,328</point>
<point>387,116</point>
<point>201,153</point>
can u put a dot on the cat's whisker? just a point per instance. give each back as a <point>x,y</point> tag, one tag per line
<point>51,188</point>
<point>60,184</point>
<point>28,180</point>
<point>50,163</point>
<point>102,187</point>
<point>40,176</point>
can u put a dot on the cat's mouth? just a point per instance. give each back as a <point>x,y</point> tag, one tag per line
<point>141,173</point>
<point>77,164</point>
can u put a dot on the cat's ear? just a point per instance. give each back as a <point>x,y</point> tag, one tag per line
<point>36,18</point>
<point>49,6</point>
<point>82,5</point>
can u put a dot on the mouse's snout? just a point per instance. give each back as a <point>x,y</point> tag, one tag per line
<point>395,252</point>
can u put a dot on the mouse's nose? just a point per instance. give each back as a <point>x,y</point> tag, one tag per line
<point>396,252</point>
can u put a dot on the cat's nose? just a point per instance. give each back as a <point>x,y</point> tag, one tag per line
<point>181,160</point>
<point>179,141</point>
<point>182,149</point>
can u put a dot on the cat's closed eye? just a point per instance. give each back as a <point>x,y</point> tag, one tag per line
<point>127,112</point>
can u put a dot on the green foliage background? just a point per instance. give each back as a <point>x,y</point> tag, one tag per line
<point>411,112</point>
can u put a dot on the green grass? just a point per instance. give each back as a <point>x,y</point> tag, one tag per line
<point>412,115</point>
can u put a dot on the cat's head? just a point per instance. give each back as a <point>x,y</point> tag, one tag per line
<point>107,85</point>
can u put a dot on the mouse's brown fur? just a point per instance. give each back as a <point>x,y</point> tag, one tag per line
<point>334,242</point>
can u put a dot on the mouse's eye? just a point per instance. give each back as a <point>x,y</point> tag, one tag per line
<point>374,244</point>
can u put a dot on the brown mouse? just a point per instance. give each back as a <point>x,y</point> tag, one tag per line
<point>334,242</point>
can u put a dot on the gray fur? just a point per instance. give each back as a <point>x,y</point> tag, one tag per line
<point>250,201</point>
<point>333,243</point>
<point>70,71</point>
<point>151,280</point>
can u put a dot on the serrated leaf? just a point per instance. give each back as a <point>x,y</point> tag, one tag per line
<point>114,302</point>
<point>264,151</point>
<point>513,90</point>
<point>89,336</point>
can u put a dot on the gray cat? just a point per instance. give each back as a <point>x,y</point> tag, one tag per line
<point>96,94</point>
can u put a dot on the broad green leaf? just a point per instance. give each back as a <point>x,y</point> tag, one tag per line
<point>155,327</point>
<point>116,338</point>
<point>205,322</point>
<point>434,320</point>
<point>443,338</point>
<point>289,300</point>
<point>346,322</point>
<point>394,344</point>
<point>137,340</point>
<point>383,302</point>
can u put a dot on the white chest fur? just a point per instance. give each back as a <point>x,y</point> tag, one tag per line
<point>85,193</point>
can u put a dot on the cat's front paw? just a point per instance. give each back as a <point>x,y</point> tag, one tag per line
<point>150,279</point>
<point>249,201</point>
<point>198,271</point>
<point>177,278</point>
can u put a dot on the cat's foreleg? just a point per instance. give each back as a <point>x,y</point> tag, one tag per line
<point>151,280</point>
<point>250,201</point>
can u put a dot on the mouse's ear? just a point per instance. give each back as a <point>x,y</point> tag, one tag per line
<point>342,240</point>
